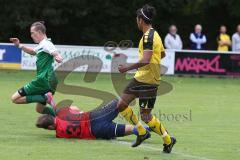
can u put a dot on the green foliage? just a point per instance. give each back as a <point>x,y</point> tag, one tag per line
<point>93,22</point>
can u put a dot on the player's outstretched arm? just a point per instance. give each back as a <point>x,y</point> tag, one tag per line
<point>147,55</point>
<point>58,58</point>
<point>26,49</point>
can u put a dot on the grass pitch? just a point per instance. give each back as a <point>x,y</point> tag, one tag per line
<point>202,113</point>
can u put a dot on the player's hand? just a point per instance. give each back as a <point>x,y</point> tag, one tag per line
<point>15,41</point>
<point>122,68</point>
<point>58,58</point>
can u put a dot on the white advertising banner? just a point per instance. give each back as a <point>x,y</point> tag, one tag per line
<point>72,52</point>
<point>168,62</point>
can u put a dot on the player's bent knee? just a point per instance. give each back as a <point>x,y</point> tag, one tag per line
<point>122,105</point>
<point>14,99</point>
<point>146,117</point>
<point>39,109</point>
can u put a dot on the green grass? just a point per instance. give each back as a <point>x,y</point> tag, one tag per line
<point>211,133</point>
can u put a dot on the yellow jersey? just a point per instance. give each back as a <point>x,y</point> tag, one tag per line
<point>150,73</point>
<point>223,37</point>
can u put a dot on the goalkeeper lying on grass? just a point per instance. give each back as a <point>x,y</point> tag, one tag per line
<point>70,122</point>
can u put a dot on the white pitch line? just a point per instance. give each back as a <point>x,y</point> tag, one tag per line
<point>157,149</point>
<point>129,144</point>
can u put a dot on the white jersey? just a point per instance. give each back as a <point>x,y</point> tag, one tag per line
<point>45,46</point>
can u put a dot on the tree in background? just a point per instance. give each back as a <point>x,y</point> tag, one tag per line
<point>93,22</point>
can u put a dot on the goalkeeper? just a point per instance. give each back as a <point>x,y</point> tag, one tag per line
<point>70,122</point>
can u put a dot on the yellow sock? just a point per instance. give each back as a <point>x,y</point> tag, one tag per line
<point>158,128</point>
<point>133,119</point>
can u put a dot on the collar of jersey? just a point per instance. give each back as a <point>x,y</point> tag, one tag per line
<point>45,39</point>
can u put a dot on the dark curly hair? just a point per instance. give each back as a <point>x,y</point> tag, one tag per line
<point>146,13</point>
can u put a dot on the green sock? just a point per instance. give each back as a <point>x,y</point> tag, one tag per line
<point>36,98</point>
<point>48,110</point>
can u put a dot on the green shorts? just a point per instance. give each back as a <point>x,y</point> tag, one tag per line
<point>40,86</point>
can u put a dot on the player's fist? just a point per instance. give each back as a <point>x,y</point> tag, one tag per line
<point>15,41</point>
<point>122,68</point>
<point>58,58</point>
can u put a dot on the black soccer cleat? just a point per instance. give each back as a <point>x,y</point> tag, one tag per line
<point>141,138</point>
<point>168,148</point>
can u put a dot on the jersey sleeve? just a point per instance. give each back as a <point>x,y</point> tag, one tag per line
<point>148,40</point>
<point>35,49</point>
<point>49,47</point>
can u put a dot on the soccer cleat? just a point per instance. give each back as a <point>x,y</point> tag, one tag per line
<point>50,100</point>
<point>168,148</point>
<point>141,138</point>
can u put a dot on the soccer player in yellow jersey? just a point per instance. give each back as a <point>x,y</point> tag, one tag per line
<point>145,82</point>
<point>223,39</point>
